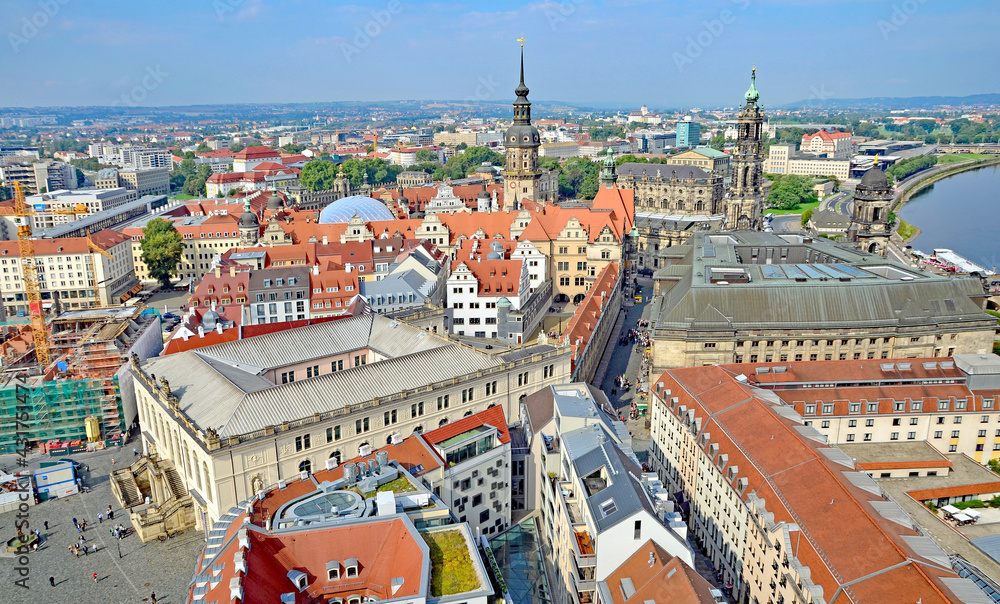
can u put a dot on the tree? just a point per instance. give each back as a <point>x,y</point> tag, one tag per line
<point>378,171</point>
<point>202,147</point>
<point>718,141</point>
<point>237,147</point>
<point>461,147</point>
<point>579,178</point>
<point>318,175</point>
<point>548,163</point>
<point>426,155</point>
<point>806,216</point>
<point>789,191</point>
<point>293,148</point>
<point>836,182</point>
<point>603,133</point>
<point>162,248</point>
<point>195,186</point>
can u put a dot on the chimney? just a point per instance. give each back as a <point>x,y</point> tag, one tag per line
<point>324,239</point>
<point>232,271</point>
<point>218,327</point>
<point>315,269</point>
<point>218,271</point>
<point>213,305</point>
<point>201,331</point>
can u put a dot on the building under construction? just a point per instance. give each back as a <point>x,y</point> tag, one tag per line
<point>85,394</point>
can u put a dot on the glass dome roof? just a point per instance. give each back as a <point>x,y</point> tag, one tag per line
<point>343,210</point>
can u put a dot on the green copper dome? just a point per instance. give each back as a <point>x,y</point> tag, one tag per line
<point>752,95</point>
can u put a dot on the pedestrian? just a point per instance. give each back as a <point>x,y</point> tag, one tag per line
<point>79,529</point>
<point>95,577</point>
<point>76,550</point>
<point>52,581</point>
<point>112,461</point>
<point>74,522</point>
<point>100,518</point>
<point>70,548</point>
<point>46,525</point>
<point>85,550</point>
<point>83,525</point>
<point>152,597</point>
<point>135,452</point>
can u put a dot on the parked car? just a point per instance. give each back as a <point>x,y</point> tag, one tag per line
<point>170,327</point>
<point>171,316</point>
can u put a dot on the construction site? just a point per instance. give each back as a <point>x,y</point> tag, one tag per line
<point>65,382</point>
<point>84,394</point>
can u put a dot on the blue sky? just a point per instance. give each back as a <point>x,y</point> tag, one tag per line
<point>679,54</point>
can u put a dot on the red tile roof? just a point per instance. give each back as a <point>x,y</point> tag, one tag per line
<point>656,576</point>
<point>982,488</point>
<point>844,543</point>
<point>584,321</point>
<point>252,153</point>
<point>490,417</point>
<point>496,277</point>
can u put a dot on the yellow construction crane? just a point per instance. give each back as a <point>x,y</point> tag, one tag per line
<point>29,272</point>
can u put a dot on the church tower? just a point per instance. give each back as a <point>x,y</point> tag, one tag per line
<point>249,226</point>
<point>745,202</point>
<point>870,221</point>
<point>521,174</point>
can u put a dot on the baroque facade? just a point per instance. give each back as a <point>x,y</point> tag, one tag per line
<point>673,201</point>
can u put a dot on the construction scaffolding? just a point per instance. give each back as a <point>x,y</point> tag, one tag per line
<point>89,348</point>
<point>56,409</point>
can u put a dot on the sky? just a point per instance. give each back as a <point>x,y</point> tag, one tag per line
<point>683,53</point>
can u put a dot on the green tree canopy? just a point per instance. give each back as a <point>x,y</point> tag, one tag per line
<point>579,178</point>
<point>318,175</point>
<point>426,155</point>
<point>789,191</point>
<point>603,133</point>
<point>718,141</point>
<point>378,171</point>
<point>911,166</point>
<point>162,248</point>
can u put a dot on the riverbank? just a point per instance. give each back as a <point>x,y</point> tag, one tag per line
<point>922,183</point>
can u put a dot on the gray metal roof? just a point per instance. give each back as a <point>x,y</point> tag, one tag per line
<point>820,283</point>
<point>638,170</point>
<point>621,489</point>
<point>356,385</point>
<point>287,347</point>
<point>219,386</point>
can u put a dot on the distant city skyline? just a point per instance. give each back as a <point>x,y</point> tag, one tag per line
<point>615,52</point>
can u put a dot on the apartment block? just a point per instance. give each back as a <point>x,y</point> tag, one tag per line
<point>596,506</point>
<point>783,514</point>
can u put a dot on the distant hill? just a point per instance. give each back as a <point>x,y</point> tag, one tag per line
<point>913,102</point>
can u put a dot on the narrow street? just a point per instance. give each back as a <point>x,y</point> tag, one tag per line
<point>627,359</point>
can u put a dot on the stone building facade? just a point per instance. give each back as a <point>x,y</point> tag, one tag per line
<point>747,297</point>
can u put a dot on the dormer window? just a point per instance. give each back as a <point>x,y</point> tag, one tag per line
<point>351,567</point>
<point>333,570</point>
<point>299,579</point>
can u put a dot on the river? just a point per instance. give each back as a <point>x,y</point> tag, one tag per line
<point>960,213</point>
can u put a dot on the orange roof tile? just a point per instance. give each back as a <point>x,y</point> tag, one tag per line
<point>490,417</point>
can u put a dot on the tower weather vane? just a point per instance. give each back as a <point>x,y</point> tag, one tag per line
<point>521,40</point>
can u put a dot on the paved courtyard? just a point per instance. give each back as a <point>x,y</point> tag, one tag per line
<point>162,567</point>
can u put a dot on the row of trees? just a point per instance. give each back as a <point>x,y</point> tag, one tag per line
<point>910,166</point>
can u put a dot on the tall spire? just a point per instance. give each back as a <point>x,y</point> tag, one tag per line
<point>521,91</point>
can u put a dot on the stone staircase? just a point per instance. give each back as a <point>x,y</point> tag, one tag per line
<point>128,490</point>
<point>175,482</point>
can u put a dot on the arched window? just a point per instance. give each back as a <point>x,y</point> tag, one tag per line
<point>419,429</point>
<point>336,455</point>
<point>208,481</point>
<point>305,466</point>
<point>467,413</point>
<point>444,420</point>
